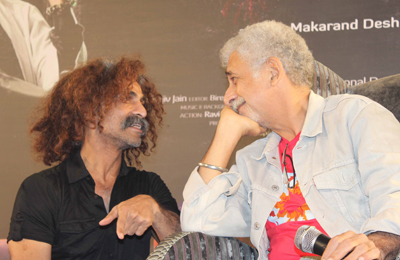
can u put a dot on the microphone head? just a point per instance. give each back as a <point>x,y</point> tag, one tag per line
<point>305,238</point>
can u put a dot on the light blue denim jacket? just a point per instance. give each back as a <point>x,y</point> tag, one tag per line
<point>347,161</point>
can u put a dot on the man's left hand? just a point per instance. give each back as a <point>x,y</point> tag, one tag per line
<point>135,215</point>
<point>359,245</point>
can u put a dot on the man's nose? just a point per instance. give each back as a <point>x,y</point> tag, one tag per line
<point>140,111</point>
<point>230,96</point>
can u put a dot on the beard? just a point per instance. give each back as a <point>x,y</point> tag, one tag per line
<point>138,121</point>
<point>235,107</point>
<point>129,122</point>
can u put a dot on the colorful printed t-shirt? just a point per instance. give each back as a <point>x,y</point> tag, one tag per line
<point>290,213</point>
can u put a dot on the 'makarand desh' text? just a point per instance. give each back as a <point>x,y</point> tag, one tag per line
<point>344,26</point>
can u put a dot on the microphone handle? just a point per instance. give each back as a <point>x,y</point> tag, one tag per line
<point>320,244</point>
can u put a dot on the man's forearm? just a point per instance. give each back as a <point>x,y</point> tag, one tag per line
<point>230,129</point>
<point>166,223</point>
<point>219,152</point>
<point>388,243</point>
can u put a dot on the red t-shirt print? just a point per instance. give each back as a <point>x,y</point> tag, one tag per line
<point>289,213</point>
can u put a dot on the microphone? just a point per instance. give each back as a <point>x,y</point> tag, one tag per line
<point>310,240</point>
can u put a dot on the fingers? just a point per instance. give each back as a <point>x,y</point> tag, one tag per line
<point>133,223</point>
<point>135,216</point>
<point>139,226</point>
<point>364,252</point>
<point>110,217</point>
<point>351,246</point>
<point>334,244</point>
<point>243,124</point>
<point>121,225</point>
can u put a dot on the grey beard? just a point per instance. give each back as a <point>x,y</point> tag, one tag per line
<point>132,120</point>
<point>236,103</point>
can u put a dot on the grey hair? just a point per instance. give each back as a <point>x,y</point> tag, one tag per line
<point>258,42</point>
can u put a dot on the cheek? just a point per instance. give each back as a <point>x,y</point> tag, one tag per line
<point>116,121</point>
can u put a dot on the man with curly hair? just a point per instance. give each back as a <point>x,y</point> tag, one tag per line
<point>331,163</point>
<point>96,121</point>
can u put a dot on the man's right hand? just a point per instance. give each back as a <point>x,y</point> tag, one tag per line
<point>233,122</point>
<point>230,129</point>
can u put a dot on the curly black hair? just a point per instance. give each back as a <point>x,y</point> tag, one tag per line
<point>84,96</point>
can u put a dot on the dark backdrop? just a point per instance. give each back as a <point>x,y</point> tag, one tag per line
<point>179,40</point>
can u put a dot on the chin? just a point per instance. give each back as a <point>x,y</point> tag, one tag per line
<point>131,144</point>
<point>135,145</point>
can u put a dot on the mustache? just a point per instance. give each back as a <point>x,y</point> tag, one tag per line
<point>236,104</point>
<point>135,120</point>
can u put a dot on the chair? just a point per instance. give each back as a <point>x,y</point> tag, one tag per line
<point>197,246</point>
<point>385,91</point>
<point>326,82</point>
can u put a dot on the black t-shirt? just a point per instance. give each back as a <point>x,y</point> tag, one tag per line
<point>58,206</point>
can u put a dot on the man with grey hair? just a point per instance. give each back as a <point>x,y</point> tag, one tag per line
<point>330,163</point>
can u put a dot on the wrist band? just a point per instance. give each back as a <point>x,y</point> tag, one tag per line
<point>212,167</point>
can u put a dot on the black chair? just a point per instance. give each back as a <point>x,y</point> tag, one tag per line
<point>198,246</point>
<point>385,91</point>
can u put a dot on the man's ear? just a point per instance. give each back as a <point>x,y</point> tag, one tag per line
<point>275,67</point>
<point>91,123</point>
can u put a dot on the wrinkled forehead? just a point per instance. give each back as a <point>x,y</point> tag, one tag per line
<point>237,64</point>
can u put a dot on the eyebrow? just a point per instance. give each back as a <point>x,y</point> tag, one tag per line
<point>230,74</point>
<point>134,94</point>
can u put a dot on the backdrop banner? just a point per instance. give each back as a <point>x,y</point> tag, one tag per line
<point>179,41</point>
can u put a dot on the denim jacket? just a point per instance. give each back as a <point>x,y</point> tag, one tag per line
<point>347,161</point>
